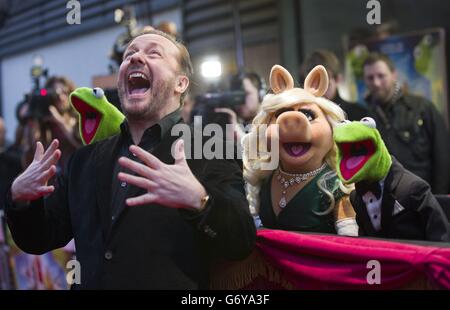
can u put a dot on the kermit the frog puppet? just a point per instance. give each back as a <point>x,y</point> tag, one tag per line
<point>98,118</point>
<point>389,201</point>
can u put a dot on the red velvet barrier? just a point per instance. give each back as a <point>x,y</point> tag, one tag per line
<point>291,260</point>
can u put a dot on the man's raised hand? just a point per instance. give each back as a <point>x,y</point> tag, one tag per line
<point>32,183</point>
<point>170,185</point>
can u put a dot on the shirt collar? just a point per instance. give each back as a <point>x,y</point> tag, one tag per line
<point>158,130</point>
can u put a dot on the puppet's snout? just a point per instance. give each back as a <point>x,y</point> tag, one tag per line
<point>294,127</point>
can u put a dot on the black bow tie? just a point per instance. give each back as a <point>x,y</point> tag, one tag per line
<point>364,187</point>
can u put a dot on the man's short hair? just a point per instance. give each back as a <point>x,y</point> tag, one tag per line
<point>184,58</point>
<point>376,57</point>
<point>321,57</point>
<point>255,79</point>
<point>236,82</point>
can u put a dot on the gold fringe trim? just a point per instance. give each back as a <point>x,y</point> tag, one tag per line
<point>421,283</point>
<point>239,275</point>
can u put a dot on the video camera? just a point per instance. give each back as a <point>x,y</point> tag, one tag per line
<point>36,103</point>
<point>39,99</point>
<point>126,17</point>
<point>231,98</point>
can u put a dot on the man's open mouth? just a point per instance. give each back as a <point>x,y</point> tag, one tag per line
<point>90,119</point>
<point>296,149</point>
<point>354,156</point>
<point>138,83</point>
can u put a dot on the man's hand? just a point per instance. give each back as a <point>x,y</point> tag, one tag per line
<point>231,114</point>
<point>236,130</point>
<point>65,126</point>
<point>170,185</point>
<point>32,183</point>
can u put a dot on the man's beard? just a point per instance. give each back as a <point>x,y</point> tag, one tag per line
<point>385,96</point>
<point>160,93</point>
<point>381,96</point>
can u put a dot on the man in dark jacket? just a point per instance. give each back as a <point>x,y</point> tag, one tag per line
<point>411,127</point>
<point>142,215</point>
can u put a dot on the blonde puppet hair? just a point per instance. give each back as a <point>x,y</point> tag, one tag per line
<point>285,96</point>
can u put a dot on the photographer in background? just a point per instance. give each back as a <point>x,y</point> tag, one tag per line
<point>62,114</point>
<point>254,87</point>
<point>59,122</point>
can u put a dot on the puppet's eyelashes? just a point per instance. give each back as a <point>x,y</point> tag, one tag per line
<point>98,92</point>
<point>345,121</point>
<point>369,122</point>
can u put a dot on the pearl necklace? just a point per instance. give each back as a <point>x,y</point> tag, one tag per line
<point>297,178</point>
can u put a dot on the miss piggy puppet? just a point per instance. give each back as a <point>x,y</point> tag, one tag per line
<point>303,193</point>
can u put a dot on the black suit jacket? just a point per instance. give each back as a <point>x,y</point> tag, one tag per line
<point>145,247</point>
<point>422,217</point>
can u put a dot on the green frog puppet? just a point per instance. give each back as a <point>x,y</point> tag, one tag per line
<point>98,118</point>
<point>389,201</point>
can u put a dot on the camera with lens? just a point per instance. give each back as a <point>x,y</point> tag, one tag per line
<point>39,99</point>
<point>125,17</point>
<point>232,98</point>
<point>227,99</point>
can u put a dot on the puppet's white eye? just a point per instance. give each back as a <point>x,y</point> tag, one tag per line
<point>98,92</point>
<point>345,121</point>
<point>369,122</point>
